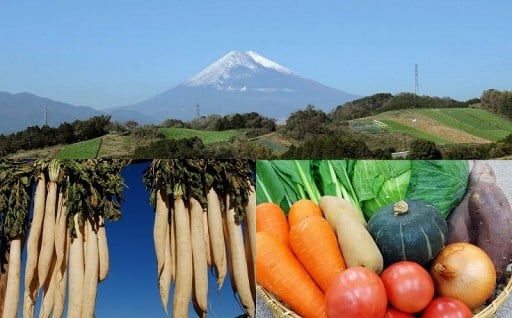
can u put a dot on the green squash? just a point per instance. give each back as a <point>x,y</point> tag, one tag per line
<point>412,230</point>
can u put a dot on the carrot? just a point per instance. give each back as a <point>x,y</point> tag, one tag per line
<point>160,227</point>
<point>183,287</point>
<point>239,262</point>
<point>49,290</point>
<point>315,244</point>
<point>48,234</point>
<point>76,272</point>
<point>301,209</point>
<point>200,264</point>
<point>216,236</point>
<point>31,282</point>
<point>278,271</point>
<point>12,291</point>
<point>271,218</point>
<point>104,260</point>
<point>90,287</point>
<point>164,280</point>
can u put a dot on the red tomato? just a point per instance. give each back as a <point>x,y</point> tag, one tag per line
<point>395,313</point>
<point>356,292</point>
<point>409,286</point>
<point>447,307</point>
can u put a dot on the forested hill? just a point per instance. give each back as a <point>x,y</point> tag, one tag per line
<point>499,102</point>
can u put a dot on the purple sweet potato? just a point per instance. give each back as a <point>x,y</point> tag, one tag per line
<point>459,222</point>
<point>491,221</point>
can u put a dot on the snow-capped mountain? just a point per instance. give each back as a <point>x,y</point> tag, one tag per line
<point>241,82</point>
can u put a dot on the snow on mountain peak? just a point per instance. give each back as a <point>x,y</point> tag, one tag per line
<point>220,71</point>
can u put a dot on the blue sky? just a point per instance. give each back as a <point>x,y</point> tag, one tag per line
<point>113,53</point>
<point>130,290</point>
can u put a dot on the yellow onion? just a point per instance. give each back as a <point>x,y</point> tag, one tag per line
<point>464,271</point>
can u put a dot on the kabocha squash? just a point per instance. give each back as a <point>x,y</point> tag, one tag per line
<point>411,230</point>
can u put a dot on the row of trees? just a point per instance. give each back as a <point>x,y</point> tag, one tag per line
<point>498,101</point>
<point>253,122</point>
<point>35,137</point>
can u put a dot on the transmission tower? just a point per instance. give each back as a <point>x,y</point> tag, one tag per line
<point>416,81</point>
<point>198,111</point>
<point>46,115</point>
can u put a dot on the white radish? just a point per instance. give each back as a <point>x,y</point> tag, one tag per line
<point>239,262</point>
<point>183,286</point>
<point>215,229</point>
<point>60,288</point>
<point>76,272</point>
<point>206,233</point>
<point>48,235</point>
<point>200,263</point>
<point>12,291</point>
<point>33,241</point>
<point>90,288</point>
<point>160,227</point>
<point>104,259</point>
<point>164,280</point>
<point>172,242</point>
<point>48,301</point>
<point>250,238</point>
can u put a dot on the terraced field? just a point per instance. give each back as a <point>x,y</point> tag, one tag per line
<point>81,150</point>
<point>208,137</point>
<point>444,126</point>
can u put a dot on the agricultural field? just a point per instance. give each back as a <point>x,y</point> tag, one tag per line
<point>208,137</point>
<point>274,141</point>
<point>445,126</point>
<point>81,150</point>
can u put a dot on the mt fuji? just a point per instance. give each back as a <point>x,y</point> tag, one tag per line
<point>240,82</point>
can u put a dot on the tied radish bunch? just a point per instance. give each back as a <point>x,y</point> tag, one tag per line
<point>15,194</point>
<point>67,250</point>
<point>204,218</point>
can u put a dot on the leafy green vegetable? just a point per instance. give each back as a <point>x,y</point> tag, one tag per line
<point>268,189</point>
<point>440,182</point>
<point>368,184</point>
<point>334,179</point>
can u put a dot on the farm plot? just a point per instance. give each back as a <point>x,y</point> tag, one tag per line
<point>397,127</point>
<point>81,150</point>
<point>208,137</point>
<point>477,122</point>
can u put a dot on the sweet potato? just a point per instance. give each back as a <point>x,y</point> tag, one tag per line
<point>491,222</point>
<point>459,221</point>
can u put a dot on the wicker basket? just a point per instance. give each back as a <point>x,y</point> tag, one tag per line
<point>281,311</point>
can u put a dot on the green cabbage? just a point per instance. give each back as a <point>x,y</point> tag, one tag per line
<point>380,182</point>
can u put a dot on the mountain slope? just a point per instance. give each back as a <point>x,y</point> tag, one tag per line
<point>18,111</point>
<point>241,82</point>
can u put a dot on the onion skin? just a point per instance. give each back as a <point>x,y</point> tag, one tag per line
<point>465,272</point>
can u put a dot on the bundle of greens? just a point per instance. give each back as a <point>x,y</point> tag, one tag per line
<point>368,184</point>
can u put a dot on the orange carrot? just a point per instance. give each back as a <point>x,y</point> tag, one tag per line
<point>301,209</point>
<point>271,218</point>
<point>278,271</point>
<point>314,243</point>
